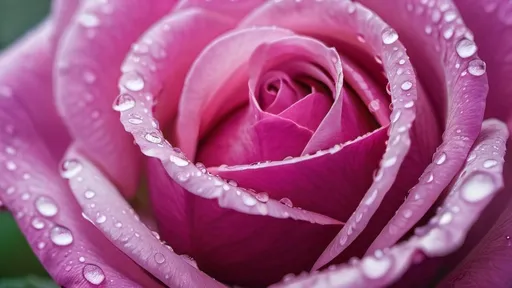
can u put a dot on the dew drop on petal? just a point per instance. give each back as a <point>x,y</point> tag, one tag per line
<point>446,218</point>
<point>406,85</point>
<point>286,201</point>
<point>101,219</point>
<point>178,161</point>
<point>46,206</point>
<point>93,274</point>
<point>89,194</point>
<point>466,48</point>
<point>132,81</point>
<point>441,158</point>
<point>249,200</point>
<point>490,163</point>
<point>389,162</point>
<point>375,268</point>
<point>153,137</point>
<point>389,36</point>
<point>262,197</point>
<point>88,20</point>
<point>61,236</point>
<point>477,187</point>
<point>70,168</point>
<point>81,259</point>
<point>37,223</point>
<point>159,258</point>
<point>476,67</point>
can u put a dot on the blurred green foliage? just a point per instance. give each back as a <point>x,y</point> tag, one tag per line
<point>18,265</point>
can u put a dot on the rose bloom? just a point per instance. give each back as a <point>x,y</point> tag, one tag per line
<point>293,143</point>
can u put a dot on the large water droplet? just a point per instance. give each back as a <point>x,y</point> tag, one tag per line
<point>466,48</point>
<point>101,219</point>
<point>159,258</point>
<point>476,67</point>
<point>88,20</point>
<point>46,206</point>
<point>93,274</point>
<point>123,102</point>
<point>262,197</point>
<point>441,158</point>
<point>389,36</point>
<point>286,201</point>
<point>61,236</point>
<point>375,268</point>
<point>490,163</point>
<point>132,81</point>
<point>477,187</point>
<point>248,199</point>
<point>406,85</point>
<point>70,168</point>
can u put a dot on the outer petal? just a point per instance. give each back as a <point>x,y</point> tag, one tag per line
<point>469,195</point>
<point>114,217</point>
<point>89,58</point>
<point>466,84</point>
<point>494,38</point>
<point>31,60</point>
<point>233,9</point>
<point>70,248</point>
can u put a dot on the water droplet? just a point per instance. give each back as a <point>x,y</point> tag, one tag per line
<point>70,168</point>
<point>41,245</point>
<point>430,177</point>
<point>262,197</point>
<point>248,199</point>
<point>119,224</point>
<point>446,218</point>
<point>89,194</point>
<point>61,236</point>
<point>477,187</point>
<point>449,16</point>
<point>428,29</point>
<point>286,201</point>
<point>155,234</point>
<point>441,158</point>
<point>135,119</point>
<point>372,196</point>
<point>132,81</point>
<point>360,38</point>
<point>178,161</point>
<point>388,89</point>
<point>466,48</point>
<point>88,20</point>
<point>153,137</point>
<point>389,36</point>
<point>389,162</point>
<point>46,206</point>
<point>11,166</point>
<point>406,85</point>
<point>81,259</point>
<point>89,77</point>
<point>183,176</point>
<point>101,219</point>
<point>375,268</point>
<point>9,150</point>
<point>396,116</point>
<point>407,213</point>
<point>159,258</point>
<point>476,67</point>
<point>490,163</point>
<point>25,196</point>
<point>37,223</point>
<point>409,104</point>
<point>93,274</point>
<point>123,102</point>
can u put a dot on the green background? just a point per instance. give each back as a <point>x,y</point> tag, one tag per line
<point>18,265</point>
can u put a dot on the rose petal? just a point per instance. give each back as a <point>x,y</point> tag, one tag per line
<point>87,69</point>
<point>112,215</point>
<point>31,59</point>
<point>344,18</point>
<point>233,9</point>
<point>62,12</point>
<point>467,92</point>
<point>70,248</point>
<point>309,111</point>
<point>470,194</point>
<point>238,45</point>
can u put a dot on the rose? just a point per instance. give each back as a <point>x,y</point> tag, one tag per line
<point>238,247</point>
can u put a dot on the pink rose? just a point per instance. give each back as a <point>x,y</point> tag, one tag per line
<point>342,142</point>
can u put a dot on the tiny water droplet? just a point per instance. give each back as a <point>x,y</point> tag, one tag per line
<point>389,36</point>
<point>46,206</point>
<point>61,236</point>
<point>81,259</point>
<point>123,102</point>
<point>88,20</point>
<point>248,199</point>
<point>449,16</point>
<point>441,158</point>
<point>70,168</point>
<point>490,163</point>
<point>153,137</point>
<point>446,218</point>
<point>262,197</point>
<point>178,161</point>
<point>37,223</point>
<point>101,219</point>
<point>286,201</point>
<point>93,274</point>
<point>89,194</point>
<point>466,48</point>
<point>406,85</point>
<point>132,81</point>
<point>41,245</point>
<point>11,166</point>
<point>159,258</point>
<point>476,67</point>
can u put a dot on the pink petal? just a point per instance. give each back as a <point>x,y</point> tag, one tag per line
<point>88,68</point>
<point>309,18</point>
<point>70,248</point>
<point>26,75</point>
<point>309,111</point>
<point>233,9</point>
<point>490,22</point>
<point>445,233</point>
<point>112,215</point>
<point>467,92</point>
